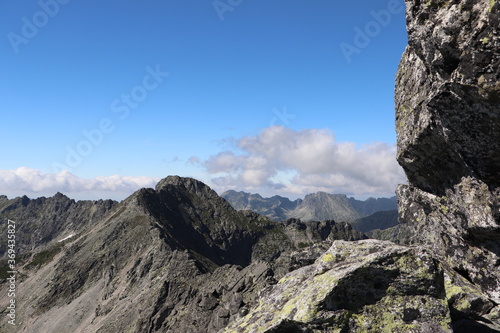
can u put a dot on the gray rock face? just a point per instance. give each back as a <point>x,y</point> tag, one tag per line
<point>364,286</point>
<point>448,126</point>
<point>448,94</point>
<point>460,228</point>
<point>46,220</point>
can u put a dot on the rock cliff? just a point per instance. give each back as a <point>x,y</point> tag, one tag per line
<point>448,126</point>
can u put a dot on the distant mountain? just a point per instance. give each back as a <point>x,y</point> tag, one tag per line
<point>276,207</point>
<point>377,221</point>
<point>372,205</point>
<point>314,207</point>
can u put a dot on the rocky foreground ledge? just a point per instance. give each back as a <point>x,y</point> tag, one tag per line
<point>363,286</point>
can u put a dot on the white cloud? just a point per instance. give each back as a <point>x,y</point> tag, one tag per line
<point>33,183</point>
<point>278,160</point>
<point>314,159</point>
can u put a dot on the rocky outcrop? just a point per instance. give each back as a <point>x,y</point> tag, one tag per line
<point>448,126</point>
<point>365,286</point>
<point>369,286</point>
<point>447,94</point>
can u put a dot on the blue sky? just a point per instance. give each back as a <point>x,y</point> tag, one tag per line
<point>100,98</point>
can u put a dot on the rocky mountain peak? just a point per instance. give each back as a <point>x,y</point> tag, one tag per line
<point>315,206</point>
<point>175,185</point>
<point>187,183</point>
<point>60,195</point>
<point>320,196</point>
<point>43,221</point>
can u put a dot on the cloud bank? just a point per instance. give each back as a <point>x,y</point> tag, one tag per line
<point>33,183</point>
<point>278,160</point>
<point>296,163</point>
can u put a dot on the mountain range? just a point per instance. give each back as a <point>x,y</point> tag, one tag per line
<point>179,258</point>
<point>314,207</point>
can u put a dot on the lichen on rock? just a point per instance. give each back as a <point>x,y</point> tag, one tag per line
<point>448,127</point>
<point>362,286</point>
